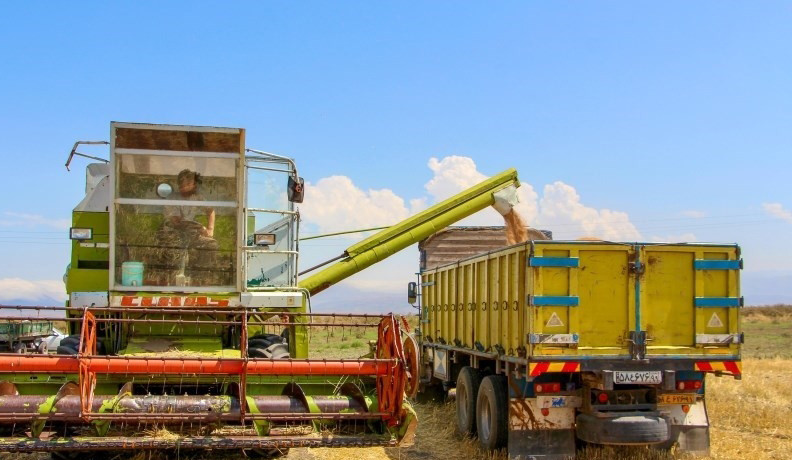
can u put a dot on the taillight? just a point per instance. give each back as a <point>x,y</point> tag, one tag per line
<point>689,385</point>
<point>602,398</point>
<point>549,387</point>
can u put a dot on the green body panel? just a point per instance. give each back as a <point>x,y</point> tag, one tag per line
<point>88,271</point>
<point>410,231</point>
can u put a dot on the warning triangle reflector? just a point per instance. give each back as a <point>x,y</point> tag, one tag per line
<point>715,321</point>
<point>554,321</point>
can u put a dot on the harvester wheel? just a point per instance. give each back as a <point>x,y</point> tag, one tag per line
<point>72,341</point>
<point>492,411</point>
<point>66,350</point>
<point>274,351</point>
<point>260,343</point>
<point>467,388</point>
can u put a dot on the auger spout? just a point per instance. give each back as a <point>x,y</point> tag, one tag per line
<point>393,239</point>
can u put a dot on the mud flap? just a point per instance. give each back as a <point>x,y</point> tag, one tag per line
<point>536,436</point>
<point>689,431</point>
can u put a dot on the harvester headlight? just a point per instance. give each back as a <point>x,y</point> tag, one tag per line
<point>81,233</point>
<point>264,239</point>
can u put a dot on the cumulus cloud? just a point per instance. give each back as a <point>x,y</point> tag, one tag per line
<point>16,219</point>
<point>454,174</point>
<point>16,289</point>
<point>335,204</point>
<point>778,210</point>
<point>562,211</point>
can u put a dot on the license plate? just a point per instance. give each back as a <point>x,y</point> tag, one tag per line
<point>672,398</point>
<point>637,377</point>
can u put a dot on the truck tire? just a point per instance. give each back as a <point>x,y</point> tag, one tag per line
<point>19,348</point>
<point>492,412</point>
<point>42,348</point>
<point>626,429</point>
<point>467,388</point>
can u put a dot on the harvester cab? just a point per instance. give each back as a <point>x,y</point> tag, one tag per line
<point>188,326</point>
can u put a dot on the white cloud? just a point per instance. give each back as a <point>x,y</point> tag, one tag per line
<point>14,289</point>
<point>778,210</point>
<point>693,214</point>
<point>454,174</point>
<point>32,220</point>
<point>335,204</point>
<point>681,238</point>
<point>562,212</point>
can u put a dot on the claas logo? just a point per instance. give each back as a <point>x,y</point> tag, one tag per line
<point>172,301</point>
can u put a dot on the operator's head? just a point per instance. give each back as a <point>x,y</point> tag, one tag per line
<point>188,182</point>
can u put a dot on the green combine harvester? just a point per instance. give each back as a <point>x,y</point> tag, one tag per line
<point>189,324</point>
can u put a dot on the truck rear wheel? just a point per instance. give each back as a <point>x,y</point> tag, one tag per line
<point>492,412</point>
<point>467,388</point>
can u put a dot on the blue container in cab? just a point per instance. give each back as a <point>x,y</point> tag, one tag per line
<point>132,273</point>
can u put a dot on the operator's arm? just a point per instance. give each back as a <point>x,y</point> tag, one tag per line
<point>210,222</point>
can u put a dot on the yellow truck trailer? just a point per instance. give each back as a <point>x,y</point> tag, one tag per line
<point>549,341</point>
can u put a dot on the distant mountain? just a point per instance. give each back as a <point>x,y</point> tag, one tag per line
<point>767,288</point>
<point>44,301</point>
<point>346,299</point>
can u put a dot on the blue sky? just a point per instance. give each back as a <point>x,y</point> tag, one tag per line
<point>676,114</point>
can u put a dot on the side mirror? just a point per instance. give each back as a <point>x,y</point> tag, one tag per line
<point>296,189</point>
<point>412,292</point>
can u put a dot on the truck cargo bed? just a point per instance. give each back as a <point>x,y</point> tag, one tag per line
<point>588,300</point>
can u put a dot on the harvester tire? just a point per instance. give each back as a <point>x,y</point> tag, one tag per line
<point>260,343</point>
<point>66,350</point>
<point>467,388</point>
<point>492,412</point>
<point>71,341</point>
<point>272,338</point>
<point>274,351</point>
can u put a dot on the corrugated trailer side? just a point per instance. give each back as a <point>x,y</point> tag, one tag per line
<point>613,328</point>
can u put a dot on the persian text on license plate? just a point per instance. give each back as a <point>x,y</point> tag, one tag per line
<point>637,377</point>
<point>675,398</point>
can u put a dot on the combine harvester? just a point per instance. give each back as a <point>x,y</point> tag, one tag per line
<point>190,329</point>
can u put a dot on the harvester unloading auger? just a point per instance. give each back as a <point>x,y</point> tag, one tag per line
<point>190,328</point>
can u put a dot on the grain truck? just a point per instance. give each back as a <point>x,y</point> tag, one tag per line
<point>550,343</point>
<point>190,323</point>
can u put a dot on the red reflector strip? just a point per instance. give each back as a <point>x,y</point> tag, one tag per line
<point>729,367</point>
<point>536,369</point>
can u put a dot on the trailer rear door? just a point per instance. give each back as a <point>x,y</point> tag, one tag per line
<point>587,299</point>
